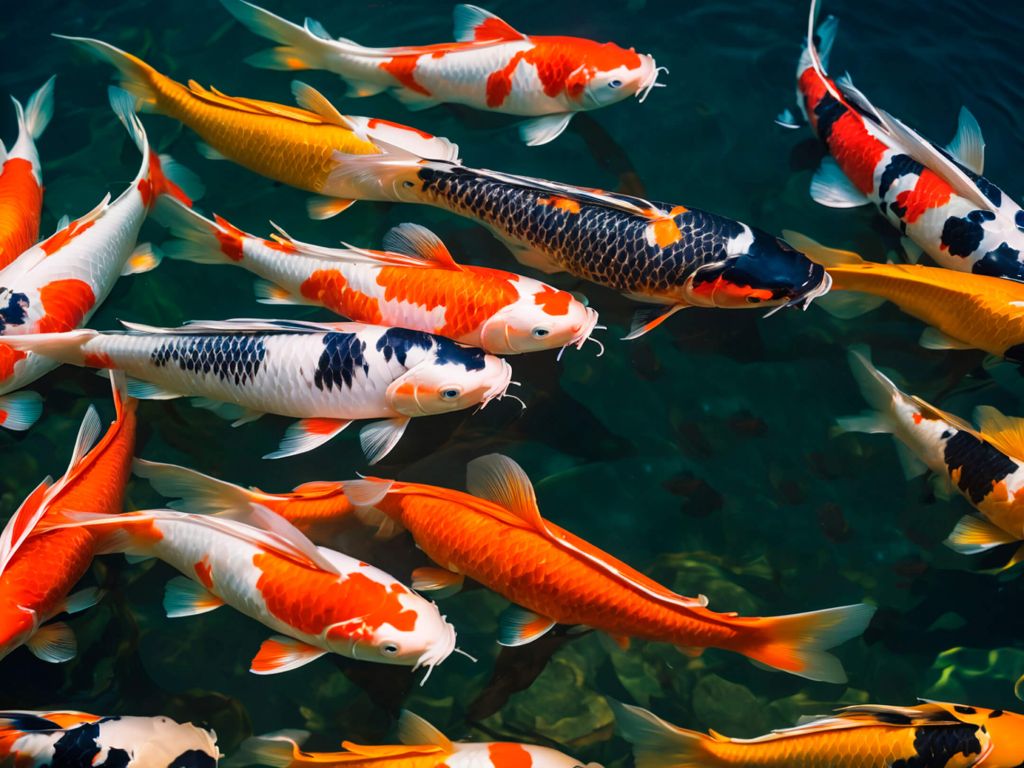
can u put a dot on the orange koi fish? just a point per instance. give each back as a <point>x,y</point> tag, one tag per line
<point>492,66</point>
<point>964,310</point>
<point>21,178</point>
<point>497,537</point>
<point>38,569</point>
<point>292,145</point>
<point>422,746</point>
<point>929,735</point>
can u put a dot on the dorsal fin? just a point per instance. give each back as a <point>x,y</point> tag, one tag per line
<point>242,325</point>
<point>349,254</point>
<point>413,730</point>
<point>500,480</point>
<point>968,146</point>
<point>308,97</point>
<point>88,434</point>
<point>414,240</point>
<point>318,487</point>
<point>475,25</point>
<point>22,522</point>
<point>1004,432</point>
<point>253,106</point>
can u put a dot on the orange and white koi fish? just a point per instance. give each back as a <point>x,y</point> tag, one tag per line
<point>963,310</point>
<point>72,739</point>
<point>422,746</point>
<point>491,66</point>
<point>38,570</point>
<point>496,536</point>
<point>985,465</point>
<point>263,136</point>
<point>319,600</point>
<point>413,283</point>
<point>56,285</point>
<point>932,734</point>
<point>21,177</point>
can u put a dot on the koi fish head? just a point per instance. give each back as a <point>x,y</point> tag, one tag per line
<point>451,377</point>
<point>617,74</point>
<point>1005,731</point>
<point>406,631</point>
<point>542,318</point>
<point>770,273</point>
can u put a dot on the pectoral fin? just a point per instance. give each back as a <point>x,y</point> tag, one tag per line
<point>55,643</point>
<point>184,597</point>
<point>307,434</point>
<point>518,626</point>
<point>833,188</point>
<point>282,654</point>
<point>541,130</point>
<point>437,581</point>
<point>974,534</point>
<point>649,318</point>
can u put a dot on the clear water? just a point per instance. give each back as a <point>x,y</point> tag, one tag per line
<point>702,454</point>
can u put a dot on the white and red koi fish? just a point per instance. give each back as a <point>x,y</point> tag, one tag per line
<point>414,283</point>
<point>936,196</point>
<point>38,572</point>
<point>319,600</point>
<point>491,66</point>
<point>327,375</point>
<point>56,285</point>
<point>21,177</point>
<point>422,746</point>
<point>67,739</point>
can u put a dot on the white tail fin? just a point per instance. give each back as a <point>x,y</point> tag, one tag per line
<point>137,77</point>
<point>657,744</point>
<point>302,47</point>
<point>63,347</point>
<point>277,750</point>
<point>878,389</point>
<point>193,491</point>
<point>33,119</point>
<point>200,240</point>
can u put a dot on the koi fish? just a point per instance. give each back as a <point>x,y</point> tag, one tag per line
<point>413,283</point>
<point>491,66</point>
<point>57,284</point>
<point>39,570</point>
<point>422,746</point>
<point>936,196</point>
<point>318,508</point>
<point>319,600</point>
<point>325,374</point>
<point>69,739</point>
<point>932,734</point>
<point>496,536</point>
<point>267,137</point>
<point>21,176</point>
<point>962,310</point>
<point>985,464</point>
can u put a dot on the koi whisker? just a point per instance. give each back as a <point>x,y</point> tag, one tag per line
<point>463,653</point>
<point>645,91</point>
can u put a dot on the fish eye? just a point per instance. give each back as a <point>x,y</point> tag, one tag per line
<point>407,184</point>
<point>539,333</point>
<point>753,300</point>
<point>450,393</point>
<point>389,649</point>
<point>615,84</point>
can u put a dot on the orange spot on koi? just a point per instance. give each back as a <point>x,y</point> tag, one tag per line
<point>65,303</point>
<point>562,203</point>
<point>204,572</point>
<point>554,302</point>
<point>402,68</point>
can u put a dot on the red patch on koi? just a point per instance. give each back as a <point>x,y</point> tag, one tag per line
<point>157,184</point>
<point>21,199</point>
<point>562,203</point>
<point>499,83</point>
<point>230,238</point>
<point>320,426</point>
<point>9,357</point>
<point>329,287</point>
<point>665,232</point>
<point>507,755</point>
<point>58,240</point>
<point>402,68</point>
<point>721,285</point>
<point>65,303</point>
<point>553,302</point>
<point>204,572</point>
<point>98,360</point>
<point>376,121</point>
<point>929,192</point>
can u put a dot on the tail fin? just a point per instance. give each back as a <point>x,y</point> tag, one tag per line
<point>200,240</point>
<point>20,410</point>
<point>798,643</point>
<point>193,491</point>
<point>657,744</point>
<point>33,119</point>
<point>877,388</point>
<point>159,175</point>
<point>63,347</point>
<point>384,176</point>
<point>826,37</point>
<point>137,77</point>
<point>303,47</point>
<point>279,750</point>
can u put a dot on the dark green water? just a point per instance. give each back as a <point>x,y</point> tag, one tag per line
<point>701,454</point>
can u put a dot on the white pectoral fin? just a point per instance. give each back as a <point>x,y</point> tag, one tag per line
<point>184,597</point>
<point>414,101</point>
<point>54,643</point>
<point>83,599</point>
<point>320,208</point>
<point>968,146</point>
<point>271,293</point>
<point>649,318</point>
<point>144,258</point>
<point>847,305</point>
<point>379,438</point>
<point>933,338</point>
<point>786,119</point>
<point>911,464</point>
<point>518,626</point>
<point>911,249</point>
<point>208,152</point>
<point>534,259</point>
<point>439,582</point>
<point>282,654</point>
<point>833,188</point>
<point>541,130</point>
<point>307,434</point>
<point>145,390</point>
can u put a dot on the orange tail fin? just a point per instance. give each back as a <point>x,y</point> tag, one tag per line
<point>798,643</point>
<point>657,744</point>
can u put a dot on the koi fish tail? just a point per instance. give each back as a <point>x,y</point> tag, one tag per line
<point>20,410</point>
<point>302,47</point>
<point>657,744</point>
<point>36,114</point>
<point>64,347</point>
<point>798,643</point>
<point>280,749</point>
<point>822,48</point>
<point>195,492</point>
<point>199,239</point>
<point>138,78</point>
<point>394,175</point>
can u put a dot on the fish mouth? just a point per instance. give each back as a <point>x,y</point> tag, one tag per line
<point>803,301</point>
<point>435,655</point>
<point>651,81</point>
<point>585,334</point>
<point>500,389</point>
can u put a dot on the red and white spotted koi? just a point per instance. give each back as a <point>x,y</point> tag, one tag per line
<point>21,176</point>
<point>491,66</point>
<point>422,746</point>
<point>319,600</point>
<point>413,283</point>
<point>57,284</point>
<point>935,196</point>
